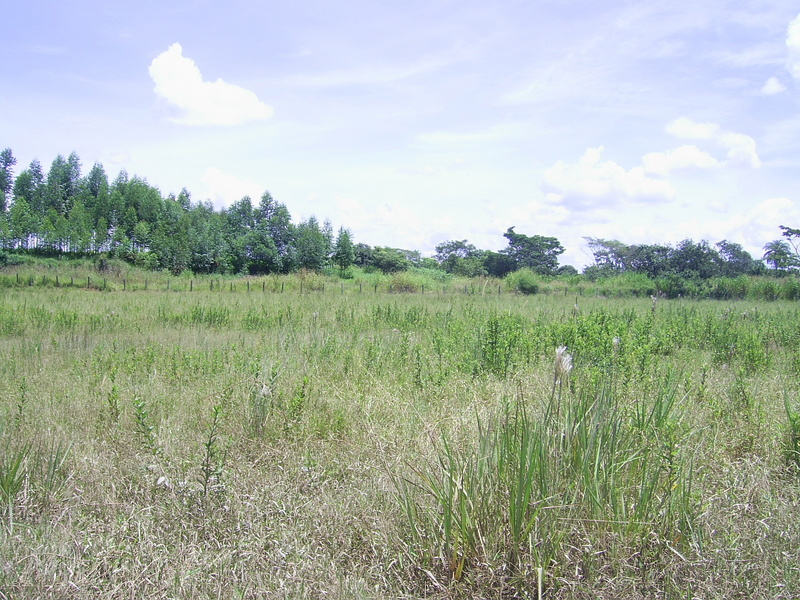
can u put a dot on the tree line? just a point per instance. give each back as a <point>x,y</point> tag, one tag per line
<point>65,212</point>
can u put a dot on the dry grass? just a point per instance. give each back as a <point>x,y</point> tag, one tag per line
<point>360,390</point>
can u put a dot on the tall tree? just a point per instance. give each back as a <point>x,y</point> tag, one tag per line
<point>22,223</point>
<point>7,162</point>
<point>734,260</point>
<point>311,245</point>
<point>344,252</point>
<point>778,254</point>
<point>461,258</point>
<point>610,256</point>
<point>792,236</point>
<point>538,253</point>
<point>694,259</point>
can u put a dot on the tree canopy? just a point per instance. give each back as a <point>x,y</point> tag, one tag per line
<point>62,211</point>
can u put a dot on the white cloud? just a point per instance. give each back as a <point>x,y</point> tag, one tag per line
<point>686,129</point>
<point>772,87</point>
<point>224,189</point>
<point>179,82</point>
<point>793,46</point>
<point>684,157</point>
<point>741,148</point>
<point>592,184</point>
<point>752,228</point>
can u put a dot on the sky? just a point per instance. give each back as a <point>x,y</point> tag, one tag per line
<point>412,123</point>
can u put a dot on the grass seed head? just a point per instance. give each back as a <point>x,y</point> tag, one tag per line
<point>563,363</point>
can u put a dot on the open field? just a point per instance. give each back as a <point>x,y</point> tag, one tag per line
<point>359,445</point>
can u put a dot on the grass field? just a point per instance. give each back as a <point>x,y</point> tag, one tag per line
<point>167,444</point>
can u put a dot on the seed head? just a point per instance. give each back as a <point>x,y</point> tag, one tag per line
<point>563,363</point>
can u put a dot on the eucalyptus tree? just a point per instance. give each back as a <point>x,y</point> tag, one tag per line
<point>310,245</point>
<point>7,162</point>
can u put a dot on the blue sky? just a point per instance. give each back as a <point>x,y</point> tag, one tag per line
<point>417,122</point>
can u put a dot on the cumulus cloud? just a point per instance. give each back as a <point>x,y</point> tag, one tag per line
<point>391,224</point>
<point>682,158</point>
<point>772,87</point>
<point>178,80</point>
<point>741,148</point>
<point>793,46</point>
<point>591,183</point>
<point>752,227</point>
<point>224,189</point>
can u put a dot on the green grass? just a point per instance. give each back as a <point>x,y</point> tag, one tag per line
<point>349,443</point>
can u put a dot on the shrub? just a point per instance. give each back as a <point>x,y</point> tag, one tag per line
<point>524,281</point>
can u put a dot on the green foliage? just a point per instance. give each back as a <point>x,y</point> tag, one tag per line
<point>344,252</point>
<point>524,281</point>
<point>12,477</point>
<point>538,253</point>
<point>145,428</point>
<point>499,343</point>
<point>507,498</point>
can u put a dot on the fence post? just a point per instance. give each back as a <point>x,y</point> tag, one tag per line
<point>376,288</point>
<point>17,278</point>
<point>104,283</point>
<point>263,286</point>
<point>57,284</point>
<point>360,287</point>
<point>191,285</point>
<point>167,284</point>
<point>88,282</point>
<point>301,288</point>
<point>423,289</point>
<point>282,286</point>
<point>342,289</point>
<point>124,284</point>
<point>248,286</point>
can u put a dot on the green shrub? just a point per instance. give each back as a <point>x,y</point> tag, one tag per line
<point>524,281</point>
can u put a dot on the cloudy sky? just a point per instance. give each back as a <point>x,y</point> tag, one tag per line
<point>416,122</point>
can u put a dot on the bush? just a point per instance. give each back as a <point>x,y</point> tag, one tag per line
<point>524,281</point>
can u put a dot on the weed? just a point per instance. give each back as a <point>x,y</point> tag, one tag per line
<point>145,429</point>
<point>213,461</point>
